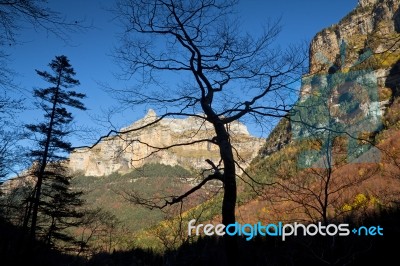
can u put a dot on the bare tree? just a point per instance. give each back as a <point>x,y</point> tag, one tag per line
<point>10,135</point>
<point>15,14</point>
<point>224,73</point>
<point>318,193</point>
<point>97,232</point>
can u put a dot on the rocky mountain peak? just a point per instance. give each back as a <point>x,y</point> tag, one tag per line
<point>371,25</point>
<point>151,115</point>
<point>364,3</point>
<point>134,148</point>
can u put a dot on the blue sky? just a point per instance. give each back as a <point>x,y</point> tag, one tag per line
<point>90,51</point>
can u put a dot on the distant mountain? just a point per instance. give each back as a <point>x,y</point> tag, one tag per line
<point>132,149</point>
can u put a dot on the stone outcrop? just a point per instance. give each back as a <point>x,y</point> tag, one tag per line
<point>371,25</point>
<point>152,144</point>
<point>23,180</point>
<point>367,39</point>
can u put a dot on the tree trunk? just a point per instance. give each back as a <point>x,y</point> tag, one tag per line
<point>43,163</point>
<point>229,199</point>
<point>229,180</point>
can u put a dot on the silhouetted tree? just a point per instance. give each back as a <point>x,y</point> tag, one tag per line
<point>98,230</point>
<point>60,206</point>
<point>315,194</point>
<point>3,172</point>
<point>51,145</point>
<point>10,134</point>
<point>11,157</point>
<point>17,15</point>
<point>224,73</point>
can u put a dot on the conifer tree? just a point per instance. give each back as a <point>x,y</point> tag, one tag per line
<point>59,207</point>
<point>52,146</point>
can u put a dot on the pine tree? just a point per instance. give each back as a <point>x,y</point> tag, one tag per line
<point>59,207</point>
<point>52,146</point>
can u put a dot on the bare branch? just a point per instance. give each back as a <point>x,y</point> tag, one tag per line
<point>156,203</point>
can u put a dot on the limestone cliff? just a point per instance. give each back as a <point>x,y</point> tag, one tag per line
<point>133,148</point>
<point>373,25</point>
<point>368,38</point>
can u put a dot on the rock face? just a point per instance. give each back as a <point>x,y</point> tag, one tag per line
<point>371,25</point>
<point>133,148</point>
<point>367,39</point>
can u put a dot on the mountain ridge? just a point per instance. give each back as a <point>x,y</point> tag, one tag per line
<point>162,142</point>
